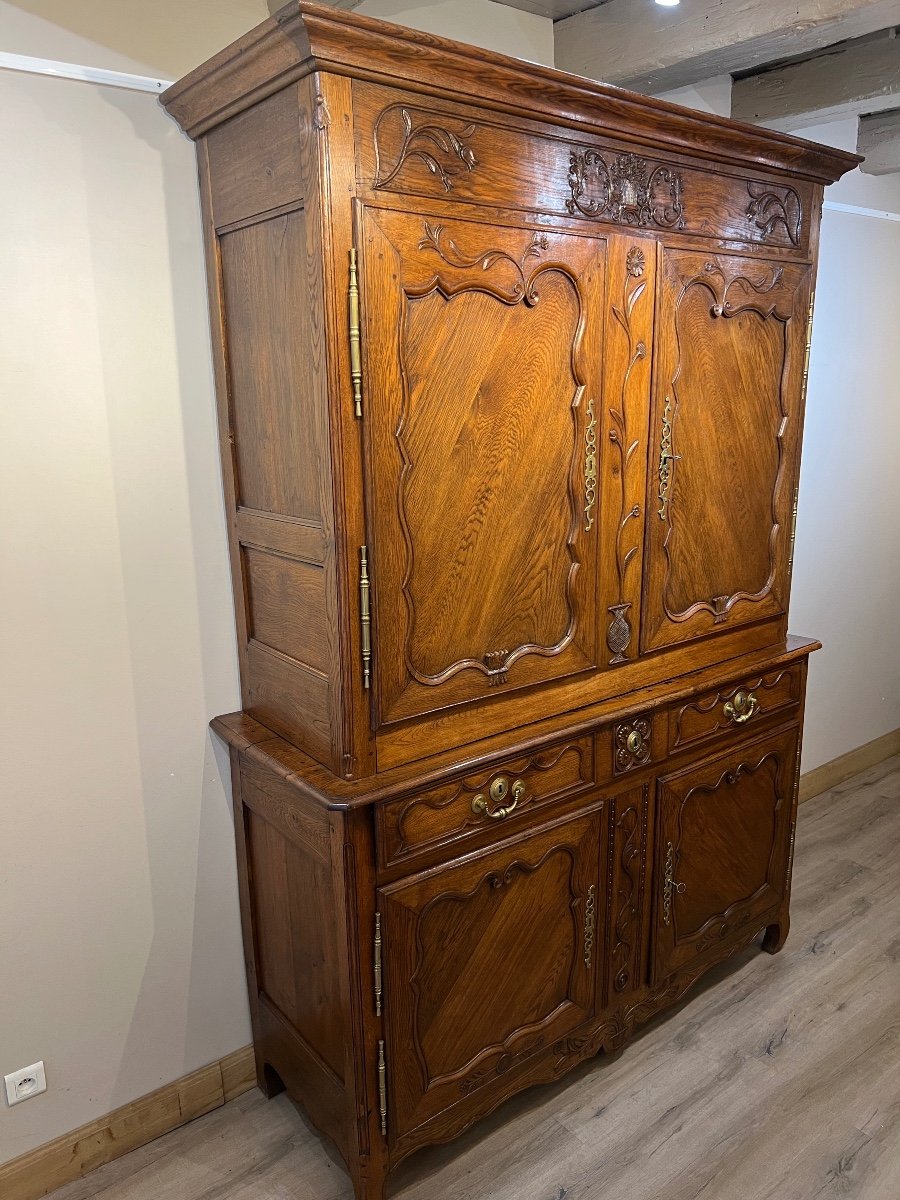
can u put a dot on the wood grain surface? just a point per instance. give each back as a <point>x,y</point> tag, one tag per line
<point>778,1078</point>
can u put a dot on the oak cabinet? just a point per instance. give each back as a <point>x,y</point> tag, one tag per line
<point>511,373</point>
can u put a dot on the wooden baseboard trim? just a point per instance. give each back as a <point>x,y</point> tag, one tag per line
<point>67,1158</point>
<point>830,774</point>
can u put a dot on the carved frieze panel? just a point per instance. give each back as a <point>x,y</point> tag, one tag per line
<point>625,189</point>
<point>452,151</point>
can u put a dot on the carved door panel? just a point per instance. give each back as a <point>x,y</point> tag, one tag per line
<point>722,848</point>
<point>482,398</point>
<point>725,442</point>
<point>487,962</point>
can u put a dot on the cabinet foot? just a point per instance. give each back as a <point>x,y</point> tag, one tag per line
<point>776,935</point>
<point>369,1188</point>
<point>268,1080</point>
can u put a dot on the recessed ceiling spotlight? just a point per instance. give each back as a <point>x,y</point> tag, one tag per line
<point>668,3</point>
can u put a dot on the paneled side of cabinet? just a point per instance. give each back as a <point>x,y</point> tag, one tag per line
<point>260,177</point>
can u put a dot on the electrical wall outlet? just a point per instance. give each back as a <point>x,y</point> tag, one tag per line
<point>22,1085</point>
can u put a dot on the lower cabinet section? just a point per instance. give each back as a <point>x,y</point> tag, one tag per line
<point>489,961</point>
<point>402,990</point>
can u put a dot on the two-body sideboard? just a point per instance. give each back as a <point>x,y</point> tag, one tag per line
<point>511,369</point>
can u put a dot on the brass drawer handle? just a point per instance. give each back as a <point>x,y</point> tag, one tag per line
<point>742,707</point>
<point>498,790</point>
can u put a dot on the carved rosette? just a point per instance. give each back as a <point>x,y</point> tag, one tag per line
<point>625,189</point>
<point>631,742</point>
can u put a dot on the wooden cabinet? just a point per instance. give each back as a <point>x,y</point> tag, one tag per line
<point>511,374</point>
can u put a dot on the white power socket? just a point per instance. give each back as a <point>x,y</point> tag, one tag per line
<point>22,1085</point>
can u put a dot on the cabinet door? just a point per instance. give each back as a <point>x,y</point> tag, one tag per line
<point>487,962</point>
<point>723,834</point>
<point>482,376</point>
<point>726,426</point>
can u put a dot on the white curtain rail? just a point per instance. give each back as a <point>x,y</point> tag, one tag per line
<point>857,211</point>
<point>63,70</point>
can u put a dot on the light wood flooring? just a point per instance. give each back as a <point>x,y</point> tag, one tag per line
<point>777,1079</point>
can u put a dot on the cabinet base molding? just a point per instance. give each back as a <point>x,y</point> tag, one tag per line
<point>845,766</point>
<point>136,1124</point>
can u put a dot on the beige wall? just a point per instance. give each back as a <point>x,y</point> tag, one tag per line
<point>847,560</point>
<point>164,38</point>
<point>119,932</point>
<point>478,22</point>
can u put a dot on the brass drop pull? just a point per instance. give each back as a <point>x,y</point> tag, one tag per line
<point>499,790</point>
<point>741,707</point>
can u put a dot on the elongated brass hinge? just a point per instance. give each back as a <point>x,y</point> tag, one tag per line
<point>382,1089</point>
<point>365,619</point>
<point>353,318</point>
<point>378,964</point>
<point>809,325</point>
<point>793,529</point>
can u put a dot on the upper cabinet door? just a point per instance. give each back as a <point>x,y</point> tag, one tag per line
<point>725,442</point>
<point>482,409</point>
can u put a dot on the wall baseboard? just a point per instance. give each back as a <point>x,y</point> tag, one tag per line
<point>67,1158</point>
<point>830,774</point>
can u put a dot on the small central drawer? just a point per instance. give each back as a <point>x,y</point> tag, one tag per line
<point>495,799</point>
<point>734,707</point>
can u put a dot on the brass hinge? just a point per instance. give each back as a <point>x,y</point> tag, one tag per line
<point>382,1089</point>
<point>353,318</point>
<point>378,964</point>
<point>365,619</point>
<point>793,529</point>
<point>809,327</point>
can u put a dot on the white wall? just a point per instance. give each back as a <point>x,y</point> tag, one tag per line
<point>847,558</point>
<point>120,956</point>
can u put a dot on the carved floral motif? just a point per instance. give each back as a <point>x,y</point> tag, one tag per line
<point>618,635</point>
<point>437,147</point>
<point>632,744</point>
<point>626,190</point>
<point>772,207</point>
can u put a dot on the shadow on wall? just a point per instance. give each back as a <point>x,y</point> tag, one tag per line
<point>154,345</point>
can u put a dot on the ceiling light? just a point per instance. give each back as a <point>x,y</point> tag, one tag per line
<point>668,3</point>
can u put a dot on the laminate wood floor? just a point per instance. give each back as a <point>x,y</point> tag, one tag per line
<point>777,1078</point>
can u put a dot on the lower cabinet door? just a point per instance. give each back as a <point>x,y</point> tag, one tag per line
<point>722,848</point>
<point>487,961</point>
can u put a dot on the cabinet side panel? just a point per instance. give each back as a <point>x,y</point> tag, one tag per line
<point>296,959</point>
<point>265,257</point>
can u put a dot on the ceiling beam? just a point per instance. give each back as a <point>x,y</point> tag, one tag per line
<point>879,141</point>
<point>652,49</point>
<point>847,81</point>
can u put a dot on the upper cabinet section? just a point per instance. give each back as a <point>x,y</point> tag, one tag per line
<point>407,145</point>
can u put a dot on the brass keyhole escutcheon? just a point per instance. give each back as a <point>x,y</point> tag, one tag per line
<point>498,791</point>
<point>635,742</point>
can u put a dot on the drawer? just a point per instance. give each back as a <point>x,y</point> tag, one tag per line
<point>736,707</point>
<point>508,795</point>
